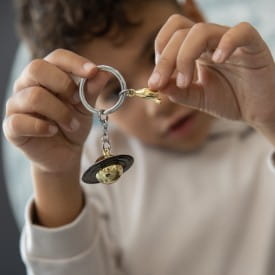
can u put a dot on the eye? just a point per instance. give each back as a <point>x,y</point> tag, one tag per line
<point>111,95</point>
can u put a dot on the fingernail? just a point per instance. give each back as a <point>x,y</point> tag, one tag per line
<point>181,80</point>
<point>53,129</point>
<point>217,56</point>
<point>154,79</point>
<point>88,66</point>
<point>74,125</point>
<point>76,98</point>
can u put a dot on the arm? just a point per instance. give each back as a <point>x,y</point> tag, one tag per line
<point>47,122</point>
<point>80,247</point>
<point>58,198</point>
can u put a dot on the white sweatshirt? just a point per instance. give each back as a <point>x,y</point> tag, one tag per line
<point>210,212</point>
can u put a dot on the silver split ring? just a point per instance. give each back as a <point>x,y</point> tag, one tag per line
<point>122,94</point>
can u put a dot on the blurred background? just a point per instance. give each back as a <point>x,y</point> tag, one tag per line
<point>10,262</point>
<point>15,186</point>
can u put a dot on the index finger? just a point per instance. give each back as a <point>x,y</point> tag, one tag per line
<point>72,63</point>
<point>55,73</point>
<point>174,23</point>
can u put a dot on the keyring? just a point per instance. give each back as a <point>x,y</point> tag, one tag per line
<point>108,168</point>
<point>122,94</point>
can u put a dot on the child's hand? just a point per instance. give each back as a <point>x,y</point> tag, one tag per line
<point>227,72</point>
<point>44,117</point>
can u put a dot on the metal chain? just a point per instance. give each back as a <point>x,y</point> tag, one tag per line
<point>106,146</point>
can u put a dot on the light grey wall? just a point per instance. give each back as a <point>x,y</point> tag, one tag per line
<point>260,13</point>
<point>10,262</point>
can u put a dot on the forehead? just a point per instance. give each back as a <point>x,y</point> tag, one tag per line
<point>105,50</point>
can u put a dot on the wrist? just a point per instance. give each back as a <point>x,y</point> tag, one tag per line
<point>57,175</point>
<point>58,197</point>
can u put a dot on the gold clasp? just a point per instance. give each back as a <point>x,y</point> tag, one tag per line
<point>145,93</point>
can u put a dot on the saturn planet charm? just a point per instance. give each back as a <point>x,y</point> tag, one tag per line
<point>108,168</point>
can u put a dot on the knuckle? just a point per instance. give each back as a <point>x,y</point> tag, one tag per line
<point>161,40</point>
<point>164,61</point>
<point>40,127</point>
<point>35,96</point>
<point>8,106</point>
<point>228,40</point>
<point>179,33</point>
<point>35,67</point>
<point>16,86</point>
<point>199,27</point>
<point>174,18</point>
<point>246,25</point>
<point>56,53</point>
<point>249,30</point>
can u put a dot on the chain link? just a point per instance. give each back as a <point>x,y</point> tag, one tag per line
<point>106,146</point>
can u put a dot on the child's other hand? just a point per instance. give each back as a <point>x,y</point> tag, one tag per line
<point>227,72</point>
<point>44,116</point>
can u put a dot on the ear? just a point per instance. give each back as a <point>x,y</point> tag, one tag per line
<point>192,11</point>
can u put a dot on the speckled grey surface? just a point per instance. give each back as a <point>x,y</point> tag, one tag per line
<point>261,14</point>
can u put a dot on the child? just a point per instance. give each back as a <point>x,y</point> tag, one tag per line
<point>200,198</point>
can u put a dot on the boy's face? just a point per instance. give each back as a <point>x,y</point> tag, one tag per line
<point>167,125</point>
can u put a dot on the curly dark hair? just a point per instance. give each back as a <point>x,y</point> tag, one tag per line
<point>49,24</point>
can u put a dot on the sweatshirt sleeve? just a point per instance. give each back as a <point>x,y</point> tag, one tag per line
<point>81,247</point>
